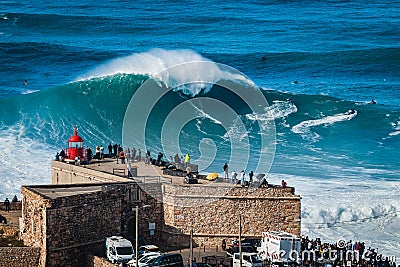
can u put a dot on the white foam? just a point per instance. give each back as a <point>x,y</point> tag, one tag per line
<point>349,208</point>
<point>30,91</point>
<point>23,161</point>
<point>279,109</point>
<point>396,128</point>
<point>203,114</point>
<point>191,77</point>
<point>303,128</point>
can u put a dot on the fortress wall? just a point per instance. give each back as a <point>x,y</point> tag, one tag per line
<point>34,218</point>
<point>73,222</point>
<point>71,225</point>
<point>216,216</point>
<point>8,230</point>
<point>62,173</point>
<point>19,256</point>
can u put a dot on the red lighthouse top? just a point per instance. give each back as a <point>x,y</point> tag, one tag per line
<point>75,137</point>
<point>75,145</point>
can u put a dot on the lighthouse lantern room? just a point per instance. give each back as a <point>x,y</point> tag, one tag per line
<point>75,145</point>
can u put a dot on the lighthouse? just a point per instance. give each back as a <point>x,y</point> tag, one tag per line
<point>75,145</point>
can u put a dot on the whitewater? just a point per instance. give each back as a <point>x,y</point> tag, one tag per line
<point>312,63</point>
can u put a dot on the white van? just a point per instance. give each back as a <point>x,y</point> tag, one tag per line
<point>279,247</point>
<point>119,249</point>
<point>248,260</point>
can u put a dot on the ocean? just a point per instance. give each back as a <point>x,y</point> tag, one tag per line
<point>265,86</point>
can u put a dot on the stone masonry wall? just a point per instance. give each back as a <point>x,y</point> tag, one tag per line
<point>63,173</point>
<point>216,216</point>
<point>101,262</point>
<point>77,223</point>
<point>8,230</point>
<point>70,227</point>
<point>34,221</point>
<point>19,257</point>
<point>148,194</point>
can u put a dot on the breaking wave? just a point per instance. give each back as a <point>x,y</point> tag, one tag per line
<point>159,63</point>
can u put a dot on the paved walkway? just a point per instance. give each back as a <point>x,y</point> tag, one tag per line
<point>199,253</point>
<point>145,173</point>
<point>12,217</point>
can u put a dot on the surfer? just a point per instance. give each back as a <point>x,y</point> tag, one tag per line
<point>350,111</point>
<point>372,102</point>
<point>264,58</point>
<point>290,102</point>
<point>25,83</point>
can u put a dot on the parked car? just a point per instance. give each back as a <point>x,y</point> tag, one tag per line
<point>232,250</point>
<point>147,249</point>
<point>167,260</point>
<point>248,260</point>
<point>198,264</point>
<point>145,260</point>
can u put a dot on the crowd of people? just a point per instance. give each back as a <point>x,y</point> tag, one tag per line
<point>342,253</point>
<point>247,180</point>
<point>128,156</point>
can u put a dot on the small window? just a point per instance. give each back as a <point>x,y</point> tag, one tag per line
<point>76,144</point>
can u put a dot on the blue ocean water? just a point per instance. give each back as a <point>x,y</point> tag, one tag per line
<point>84,60</point>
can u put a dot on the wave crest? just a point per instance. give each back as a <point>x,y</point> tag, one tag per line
<point>158,63</point>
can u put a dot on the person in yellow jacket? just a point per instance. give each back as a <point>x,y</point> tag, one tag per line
<point>187,160</point>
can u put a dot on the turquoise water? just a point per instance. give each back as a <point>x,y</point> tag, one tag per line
<point>85,60</point>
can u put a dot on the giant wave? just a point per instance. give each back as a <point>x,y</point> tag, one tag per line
<point>312,135</point>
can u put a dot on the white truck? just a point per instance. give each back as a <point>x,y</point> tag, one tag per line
<point>119,249</point>
<point>248,260</point>
<point>280,248</point>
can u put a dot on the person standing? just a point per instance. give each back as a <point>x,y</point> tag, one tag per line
<point>115,147</point>
<point>110,147</point>
<point>284,184</point>
<point>147,159</point>
<point>88,155</point>
<point>62,155</point>
<point>159,157</point>
<point>101,152</point>
<point>234,177</point>
<point>139,155</point>
<point>242,177</point>
<point>122,156</point>
<point>7,205</point>
<point>226,169</point>
<point>251,174</point>
<point>129,167</point>
<point>128,155</point>
<point>97,153</point>
<point>187,160</point>
<point>133,154</point>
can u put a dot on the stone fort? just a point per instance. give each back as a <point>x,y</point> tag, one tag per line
<point>67,222</point>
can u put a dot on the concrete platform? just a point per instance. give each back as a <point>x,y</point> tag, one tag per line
<point>12,217</point>
<point>145,173</point>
